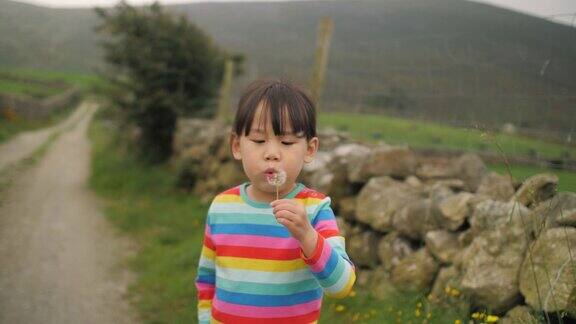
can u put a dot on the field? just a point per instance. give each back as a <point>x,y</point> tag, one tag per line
<point>420,134</point>
<point>38,84</point>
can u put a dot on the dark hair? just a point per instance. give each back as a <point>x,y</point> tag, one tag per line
<point>280,98</point>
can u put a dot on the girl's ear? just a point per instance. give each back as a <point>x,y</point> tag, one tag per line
<point>235,146</point>
<point>311,150</point>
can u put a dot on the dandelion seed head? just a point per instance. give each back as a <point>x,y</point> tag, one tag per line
<point>277,179</point>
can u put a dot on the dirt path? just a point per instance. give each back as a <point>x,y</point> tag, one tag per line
<point>24,144</point>
<point>61,261</point>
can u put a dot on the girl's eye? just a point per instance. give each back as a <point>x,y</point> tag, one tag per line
<point>258,141</point>
<point>287,143</point>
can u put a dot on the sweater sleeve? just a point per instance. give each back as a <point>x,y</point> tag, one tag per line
<point>329,262</point>
<point>206,276</point>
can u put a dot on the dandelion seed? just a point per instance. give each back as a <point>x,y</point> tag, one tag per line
<point>277,179</point>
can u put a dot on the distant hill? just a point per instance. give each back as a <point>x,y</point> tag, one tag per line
<point>453,61</point>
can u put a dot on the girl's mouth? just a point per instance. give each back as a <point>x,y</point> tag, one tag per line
<point>270,171</point>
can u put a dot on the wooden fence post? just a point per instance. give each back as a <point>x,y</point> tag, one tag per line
<point>321,60</point>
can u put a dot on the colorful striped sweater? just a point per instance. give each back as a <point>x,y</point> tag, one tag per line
<point>252,271</point>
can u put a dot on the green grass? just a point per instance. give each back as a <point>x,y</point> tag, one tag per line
<point>421,134</point>
<point>566,179</point>
<point>168,225</point>
<point>39,83</point>
<point>43,83</point>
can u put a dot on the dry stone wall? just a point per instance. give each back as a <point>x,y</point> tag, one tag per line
<point>447,227</point>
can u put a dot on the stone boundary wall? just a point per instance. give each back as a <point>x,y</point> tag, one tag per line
<point>31,108</point>
<point>441,225</point>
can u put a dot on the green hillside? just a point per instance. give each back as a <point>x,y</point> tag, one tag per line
<point>453,61</point>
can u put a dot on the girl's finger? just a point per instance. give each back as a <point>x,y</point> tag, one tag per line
<point>296,209</point>
<point>287,223</point>
<point>287,215</point>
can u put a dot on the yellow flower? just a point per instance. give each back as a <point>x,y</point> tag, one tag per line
<point>417,313</point>
<point>454,292</point>
<point>352,293</point>
<point>447,290</point>
<point>457,321</point>
<point>419,305</point>
<point>491,318</point>
<point>340,308</point>
<point>356,317</point>
<point>429,315</point>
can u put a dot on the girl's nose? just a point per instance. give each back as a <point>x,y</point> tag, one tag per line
<point>272,152</point>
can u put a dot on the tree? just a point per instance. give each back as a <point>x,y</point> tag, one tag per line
<point>159,66</point>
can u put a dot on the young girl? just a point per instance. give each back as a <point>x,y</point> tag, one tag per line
<point>267,259</point>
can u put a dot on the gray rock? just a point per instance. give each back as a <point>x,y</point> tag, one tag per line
<point>326,174</point>
<point>391,249</point>
<point>417,218</point>
<point>536,189</point>
<point>496,186</point>
<point>362,247</point>
<point>347,207</point>
<point>454,210</point>
<point>435,168</point>
<point>413,181</point>
<point>443,245</point>
<point>353,156</point>
<point>492,261</point>
<point>567,218</point>
<point>447,290</point>
<point>416,272</point>
<point>386,160</point>
<point>548,275</point>
<point>554,212</point>
<point>519,314</point>
<point>492,215</point>
<point>380,199</point>
<point>381,287</point>
<point>471,169</point>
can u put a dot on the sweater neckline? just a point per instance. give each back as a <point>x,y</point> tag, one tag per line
<point>260,204</point>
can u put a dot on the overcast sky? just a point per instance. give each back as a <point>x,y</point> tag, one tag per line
<point>559,10</point>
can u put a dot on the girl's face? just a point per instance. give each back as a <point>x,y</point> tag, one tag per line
<point>262,150</point>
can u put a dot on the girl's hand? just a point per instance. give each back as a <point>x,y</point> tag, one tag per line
<point>292,214</point>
